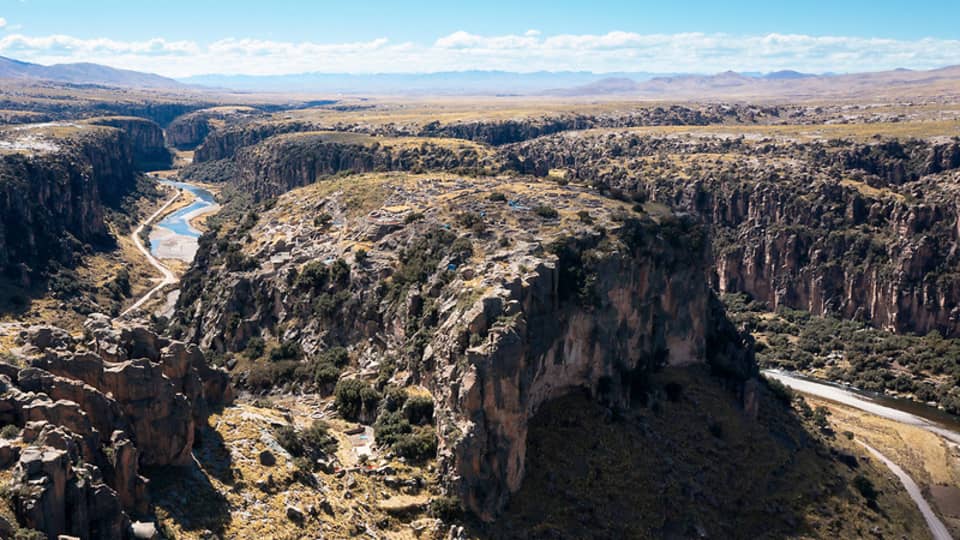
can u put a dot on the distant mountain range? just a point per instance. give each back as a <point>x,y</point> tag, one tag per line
<point>729,84</point>
<point>450,82</point>
<point>83,73</point>
<point>787,84</point>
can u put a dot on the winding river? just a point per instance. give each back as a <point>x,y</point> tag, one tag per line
<point>174,237</point>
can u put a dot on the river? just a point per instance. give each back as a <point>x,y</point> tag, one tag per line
<point>174,237</point>
<point>898,410</point>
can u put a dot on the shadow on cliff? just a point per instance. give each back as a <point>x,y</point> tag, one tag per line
<point>188,494</point>
<point>21,286</point>
<point>213,455</point>
<point>688,463</point>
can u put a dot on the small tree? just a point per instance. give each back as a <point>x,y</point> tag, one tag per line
<point>352,397</point>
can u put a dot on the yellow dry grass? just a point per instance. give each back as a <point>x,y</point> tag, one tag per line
<point>927,458</point>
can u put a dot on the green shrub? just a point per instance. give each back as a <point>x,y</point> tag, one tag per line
<point>9,432</point>
<point>418,410</point>
<point>546,212</point>
<point>865,487</point>
<point>265,375</point>
<point>317,438</point>
<point>287,437</point>
<point>255,348</point>
<point>820,417</point>
<point>390,427</point>
<point>313,442</point>
<point>420,445</point>
<point>288,350</point>
<point>420,259</point>
<point>394,398</point>
<point>445,508</point>
<point>497,196</point>
<point>469,219</point>
<point>353,397</point>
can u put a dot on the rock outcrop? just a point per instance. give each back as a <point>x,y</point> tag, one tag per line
<point>496,304</point>
<point>93,411</point>
<point>285,162</point>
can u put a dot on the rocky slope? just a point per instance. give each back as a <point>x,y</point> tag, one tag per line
<point>55,181</point>
<point>89,414</point>
<point>496,304</point>
<point>859,230</point>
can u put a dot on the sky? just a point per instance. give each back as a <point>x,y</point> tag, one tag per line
<point>180,38</point>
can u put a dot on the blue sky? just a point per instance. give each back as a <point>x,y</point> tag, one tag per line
<point>177,37</point>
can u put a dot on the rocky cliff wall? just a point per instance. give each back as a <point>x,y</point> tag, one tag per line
<point>53,191</point>
<point>865,231</point>
<point>146,139</point>
<point>285,162</point>
<point>188,131</point>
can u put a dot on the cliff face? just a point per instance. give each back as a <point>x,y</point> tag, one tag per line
<point>188,131</point>
<point>861,231</point>
<point>146,139</point>
<point>225,142</point>
<point>495,304</point>
<point>651,310</point>
<point>53,189</point>
<point>282,163</point>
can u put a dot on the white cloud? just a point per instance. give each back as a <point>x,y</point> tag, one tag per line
<point>3,22</point>
<point>530,51</point>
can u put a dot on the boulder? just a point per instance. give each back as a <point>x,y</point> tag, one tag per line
<point>145,530</point>
<point>8,454</point>
<point>267,458</point>
<point>294,513</point>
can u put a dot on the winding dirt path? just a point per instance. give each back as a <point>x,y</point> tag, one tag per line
<point>838,395</point>
<point>167,276</point>
<point>937,528</point>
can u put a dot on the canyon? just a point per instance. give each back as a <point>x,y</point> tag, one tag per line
<point>403,319</point>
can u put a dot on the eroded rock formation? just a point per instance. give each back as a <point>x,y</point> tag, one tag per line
<point>92,412</point>
<point>54,190</point>
<point>146,138</point>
